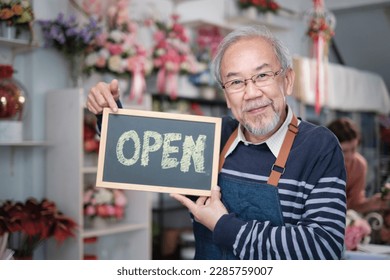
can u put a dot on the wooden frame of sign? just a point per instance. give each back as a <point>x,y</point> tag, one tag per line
<point>159,152</point>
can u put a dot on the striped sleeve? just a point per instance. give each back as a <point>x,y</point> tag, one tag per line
<point>316,233</point>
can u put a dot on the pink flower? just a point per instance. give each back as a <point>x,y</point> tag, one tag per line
<point>101,210</point>
<point>90,210</point>
<point>119,212</point>
<point>115,49</point>
<point>353,236</point>
<point>119,198</point>
<point>87,196</point>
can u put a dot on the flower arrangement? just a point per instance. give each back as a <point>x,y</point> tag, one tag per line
<point>12,95</point>
<point>262,6</point>
<point>104,203</point>
<point>319,26</point>
<point>116,51</point>
<point>15,12</point>
<point>90,136</point>
<point>321,23</point>
<point>207,41</point>
<point>29,224</point>
<point>171,54</point>
<point>357,230</point>
<point>67,36</point>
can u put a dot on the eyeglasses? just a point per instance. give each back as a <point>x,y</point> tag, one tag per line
<point>260,80</point>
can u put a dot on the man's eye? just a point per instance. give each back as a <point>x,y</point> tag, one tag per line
<point>262,76</point>
<point>236,83</point>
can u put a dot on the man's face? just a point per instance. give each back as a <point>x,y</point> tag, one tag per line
<point>260,109</point>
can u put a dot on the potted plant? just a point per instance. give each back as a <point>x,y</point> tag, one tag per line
<point>29,224</point>
<point>16,18</point>
<point>12,105</point>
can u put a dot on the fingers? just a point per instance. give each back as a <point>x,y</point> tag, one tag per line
<point>103,95</point>
<point>184,200</point>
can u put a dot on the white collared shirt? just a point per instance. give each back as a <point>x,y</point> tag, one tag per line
<point>274,143</point>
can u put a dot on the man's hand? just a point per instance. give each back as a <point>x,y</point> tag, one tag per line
<point>103,95</point>
<point>206,210</point>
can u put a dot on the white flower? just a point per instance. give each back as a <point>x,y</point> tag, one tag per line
<point>148,66</point>
<point>116,35</point>
<point>25,4</point>
<point>160,52</point>
<point>115,64</point>
<point>104,53</point>
<point>91,59</point>
<point>103,196</point>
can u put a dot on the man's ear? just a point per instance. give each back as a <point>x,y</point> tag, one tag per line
<point>289,81</point>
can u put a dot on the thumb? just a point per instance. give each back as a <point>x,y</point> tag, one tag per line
<point>215,193</point>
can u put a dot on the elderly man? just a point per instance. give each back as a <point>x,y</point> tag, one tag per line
<point>281,185</point>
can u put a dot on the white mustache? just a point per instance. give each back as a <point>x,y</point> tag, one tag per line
<point>256,104</point>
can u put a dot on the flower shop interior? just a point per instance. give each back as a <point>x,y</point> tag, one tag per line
<point>53,51</point>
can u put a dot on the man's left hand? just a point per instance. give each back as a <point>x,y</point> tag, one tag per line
<point>206,210</point>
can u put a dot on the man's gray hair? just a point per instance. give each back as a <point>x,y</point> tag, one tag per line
<point>281,51</point>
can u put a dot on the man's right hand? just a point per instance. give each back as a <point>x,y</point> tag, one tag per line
<point>103,95</point>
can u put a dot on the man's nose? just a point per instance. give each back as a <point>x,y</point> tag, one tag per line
<point>251,90</point>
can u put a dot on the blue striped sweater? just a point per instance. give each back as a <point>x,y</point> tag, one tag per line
<point>312,197</point>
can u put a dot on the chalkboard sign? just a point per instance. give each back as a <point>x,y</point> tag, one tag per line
<point>159,152</point>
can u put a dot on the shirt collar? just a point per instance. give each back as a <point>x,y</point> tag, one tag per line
<point>274,143</point>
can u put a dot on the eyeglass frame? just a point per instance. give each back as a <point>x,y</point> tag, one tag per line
<point>276,73</point>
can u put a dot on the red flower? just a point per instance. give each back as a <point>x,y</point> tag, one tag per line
<point>63,228</point>
<point>6,71</point>
<point>33,222</point>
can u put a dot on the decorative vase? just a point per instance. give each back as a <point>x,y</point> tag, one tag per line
<point>23,32</point>
<point>250,13</point>
<point>76,63</point>
<point>12,106</point>
<point>7,31</point>
<point>267,17</point>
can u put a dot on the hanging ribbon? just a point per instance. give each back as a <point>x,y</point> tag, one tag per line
<point>138,86</point>
<point>167,82</point>
<point>321,26</point>
<point>319,48</point>
<point>160,83</point>
<point>172,84</point>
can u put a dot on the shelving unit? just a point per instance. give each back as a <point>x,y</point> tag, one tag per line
<point>215,107</point>
<point>18,45</point>
<point>70,170</point>
<point>236,17</point>
<point>14,47</point>
<point>19,160</point>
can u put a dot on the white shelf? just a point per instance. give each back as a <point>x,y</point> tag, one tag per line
<point>26,143</point>
<point>225,28</point>
<point>273,22</point>
<point>71,171</point>
<point>18,45</point>
<point>89,170</point>
<point>113,229</point>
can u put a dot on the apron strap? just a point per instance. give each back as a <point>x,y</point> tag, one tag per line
<point>278,166</point>
<point>229,142</point>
